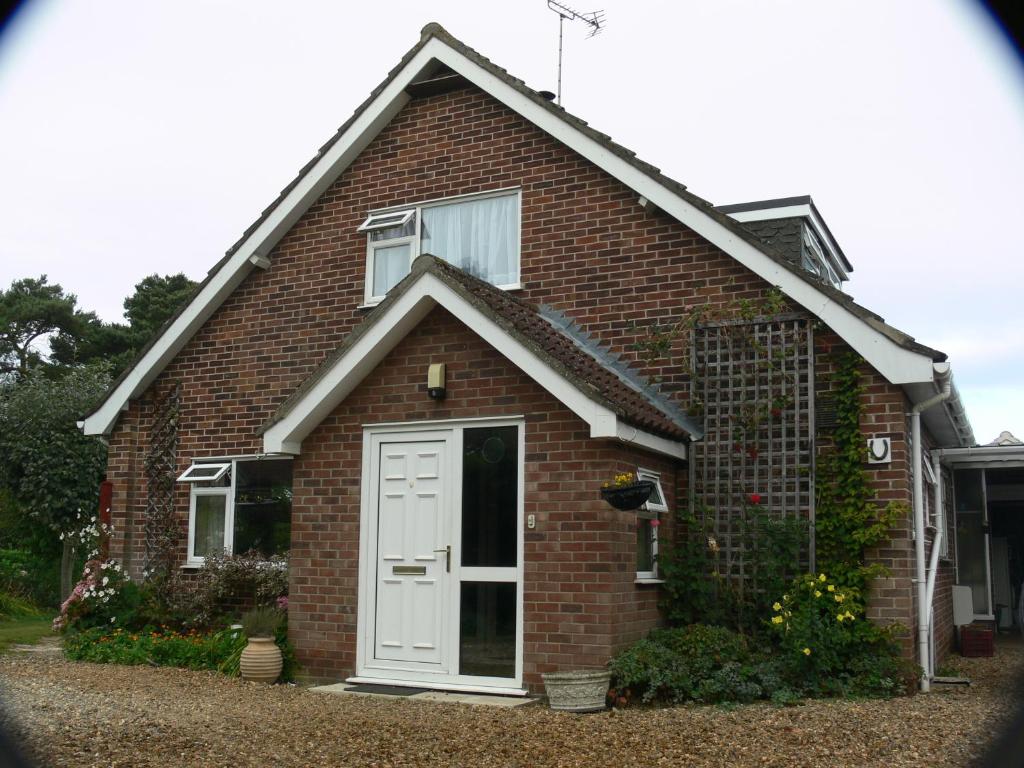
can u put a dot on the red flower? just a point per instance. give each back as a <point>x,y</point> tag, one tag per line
<point>755,498</point>
<point>655,523</point>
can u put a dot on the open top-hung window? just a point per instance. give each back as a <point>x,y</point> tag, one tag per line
<point>242,505</point>
<point>479,234</point>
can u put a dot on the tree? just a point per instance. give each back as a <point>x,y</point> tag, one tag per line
<point>29,310</point>
<point>50,467</point>
<point>89,339</point>
<point>155,299</point>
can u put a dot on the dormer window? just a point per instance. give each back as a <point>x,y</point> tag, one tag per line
<point>478,234</point>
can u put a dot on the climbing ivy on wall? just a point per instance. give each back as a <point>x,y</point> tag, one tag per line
<point>848,519</point>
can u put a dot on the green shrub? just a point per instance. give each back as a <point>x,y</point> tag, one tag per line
<point>828,647</point>
<point>694,663</point>
<point>167,648</point>
<point>15,607</point>
<point>218,651</point>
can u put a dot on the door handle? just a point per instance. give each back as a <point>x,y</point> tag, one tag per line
<point>447,558</point>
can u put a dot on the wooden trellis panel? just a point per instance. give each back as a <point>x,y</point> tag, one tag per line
<point>161,472</point>
<point>754,385</point>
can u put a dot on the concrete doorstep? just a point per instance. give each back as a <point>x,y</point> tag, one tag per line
<point>417,694</point>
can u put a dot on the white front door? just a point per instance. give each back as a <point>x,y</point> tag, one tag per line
<point>441,546</point>
<point>412,568</point>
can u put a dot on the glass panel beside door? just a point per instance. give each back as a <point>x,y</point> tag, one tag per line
<point>489,551</point>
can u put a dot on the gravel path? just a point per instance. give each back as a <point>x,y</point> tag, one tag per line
<point>76,714</point>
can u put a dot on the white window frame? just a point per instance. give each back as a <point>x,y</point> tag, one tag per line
<point>651,511</point>
<point>415,239</point>
<point>189,476</point>
<point>228,492</point>
<point>192,560</point>
<point>377,221</point>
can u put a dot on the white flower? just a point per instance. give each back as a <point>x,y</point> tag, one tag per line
<point>105,581</point>
<point>62,537</point>
<point>105,599</point>
<point>113,619</point>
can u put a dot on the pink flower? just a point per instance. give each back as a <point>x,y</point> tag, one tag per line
<point>655,523</point>
<point>282,602</point>
<point>755,498</point>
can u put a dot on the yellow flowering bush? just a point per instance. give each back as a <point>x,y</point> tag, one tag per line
<point>827,645</point>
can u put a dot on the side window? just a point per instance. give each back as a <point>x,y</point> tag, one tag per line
<point>243,505</point>
<point>647,523</point>
<point>479,235</point>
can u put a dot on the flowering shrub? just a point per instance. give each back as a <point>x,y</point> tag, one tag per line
<point>102,594</point>
<point>226,582</point>
<point>827,646</point>
<point>103,591</point>
<point>163,647</point>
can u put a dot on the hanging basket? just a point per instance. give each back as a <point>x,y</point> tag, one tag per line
<point>631,496</point>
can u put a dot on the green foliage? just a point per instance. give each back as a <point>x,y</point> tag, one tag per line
<point>29,575</point>
<point>711,665</point>
<point>261,622</point>
<point>30,310</point>
<point>827,647</point>
<point>51,469</point>
<point>697,587</point>
<point>164,647</point>
<point>14,607</point>
<point>847,519</point>
<point>218,650</point>
<point>155,299</point>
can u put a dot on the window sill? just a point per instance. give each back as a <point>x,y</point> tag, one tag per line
<point>646,581</point>
<point>191,566</point>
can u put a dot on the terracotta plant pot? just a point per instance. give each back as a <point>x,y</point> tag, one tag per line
<point>261,660</point>
<point>579,691</point>
<point>625,497</point>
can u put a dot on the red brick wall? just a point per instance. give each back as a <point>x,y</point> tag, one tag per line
<point>588,248</point>
<point>580,600</point>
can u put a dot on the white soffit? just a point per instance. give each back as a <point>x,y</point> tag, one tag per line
<point>345,373</point>
<point>898,365</point>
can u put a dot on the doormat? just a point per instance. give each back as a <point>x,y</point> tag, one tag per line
<point>385,690</point>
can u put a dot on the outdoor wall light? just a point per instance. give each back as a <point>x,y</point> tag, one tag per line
<point>435,381</point>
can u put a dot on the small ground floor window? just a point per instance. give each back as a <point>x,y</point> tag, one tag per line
<point>244,506</point>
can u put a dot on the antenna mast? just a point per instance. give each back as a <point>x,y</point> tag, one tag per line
<point>593,18</point>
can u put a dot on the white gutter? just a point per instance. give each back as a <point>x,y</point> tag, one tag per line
<point>942,375</point>
<point>933,562</point>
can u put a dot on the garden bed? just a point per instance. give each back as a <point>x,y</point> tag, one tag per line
<point>88,714</point>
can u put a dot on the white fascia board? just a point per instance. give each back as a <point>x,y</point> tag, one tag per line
<point>897,364</point>
<point>254,250</point>
<point>427,292</point>
<point>764,214</point>
<point>401,318</point>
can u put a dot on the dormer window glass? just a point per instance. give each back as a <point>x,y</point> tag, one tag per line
<point>476,233</point>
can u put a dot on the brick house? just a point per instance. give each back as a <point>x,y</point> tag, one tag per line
<point>427,434</point>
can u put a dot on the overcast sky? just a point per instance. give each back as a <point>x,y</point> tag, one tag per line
<point>145,137</point>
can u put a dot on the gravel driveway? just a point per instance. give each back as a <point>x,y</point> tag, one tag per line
<point>76,714</point>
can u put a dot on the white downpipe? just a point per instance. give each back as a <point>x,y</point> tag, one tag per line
<point>933,563</point>
<point>942,374</point>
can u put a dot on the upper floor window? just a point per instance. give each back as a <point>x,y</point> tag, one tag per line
<point>479,234</point>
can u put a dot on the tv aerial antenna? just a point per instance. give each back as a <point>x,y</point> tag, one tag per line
<point>595,19</point>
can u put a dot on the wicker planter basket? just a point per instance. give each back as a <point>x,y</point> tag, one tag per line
<point>579,691</point>
<point>632,496</point>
